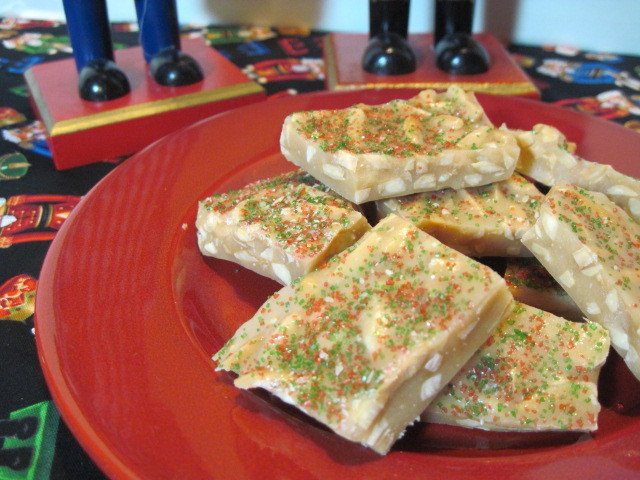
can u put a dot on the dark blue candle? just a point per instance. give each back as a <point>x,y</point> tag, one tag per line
<point>158,22</point>
<point>89,30</point>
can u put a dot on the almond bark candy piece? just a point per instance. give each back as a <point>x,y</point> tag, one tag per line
<point>480,221</point>
<point>548,158</point>
<point>592,248</point>
<point>430,142</point>
<point>364,343</point>
<point>281,227</point>
<point>536,372</point>
<point>530,283</point>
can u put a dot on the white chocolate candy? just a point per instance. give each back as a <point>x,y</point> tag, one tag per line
<point>595,255</point>
<point>548,158</point>
<point>479,221</point>
<point>430,142</point>
<point>536,372</point>
<point>281,227</point>
<point>530,283</point>
<point>366,342</point>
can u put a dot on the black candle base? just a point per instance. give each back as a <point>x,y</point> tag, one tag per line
<point>461,54</point>
<point>173,68</point>
<point>101,80</point>
<point>388,54</point>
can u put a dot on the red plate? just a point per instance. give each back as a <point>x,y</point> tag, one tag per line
<point>129,313</point>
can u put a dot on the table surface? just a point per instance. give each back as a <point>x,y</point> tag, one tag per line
<point>601,84</point>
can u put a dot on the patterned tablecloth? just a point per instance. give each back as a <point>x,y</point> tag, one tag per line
<point>35,199</point>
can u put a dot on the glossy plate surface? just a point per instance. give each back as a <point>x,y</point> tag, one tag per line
<point>129,313</point>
